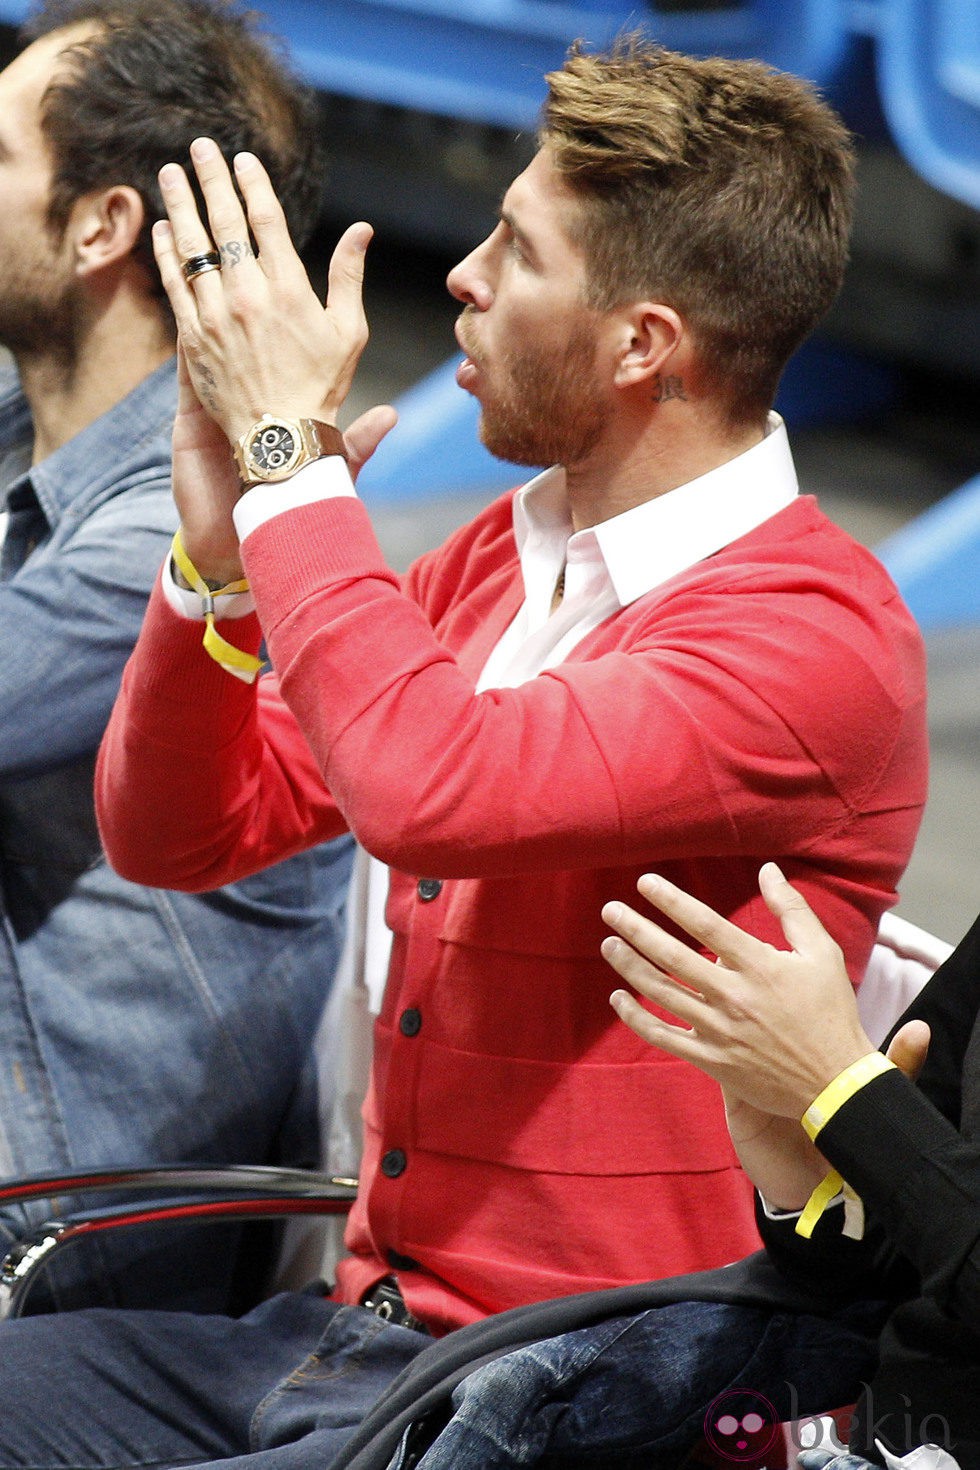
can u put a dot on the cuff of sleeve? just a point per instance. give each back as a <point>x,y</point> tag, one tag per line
<point>324,479</point>
<point>187,603</point>
<point>890,1143</point>
<point>843,1087</point>
<point>773,1212</point>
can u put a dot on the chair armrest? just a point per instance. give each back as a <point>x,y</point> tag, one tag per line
<point>235,1192</point>
<point>222,1178</point>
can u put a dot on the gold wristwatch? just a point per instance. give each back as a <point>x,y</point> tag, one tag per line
<point>275,448</point>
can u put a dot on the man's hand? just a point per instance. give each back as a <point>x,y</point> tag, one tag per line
<point>364,435</point>
<point>256,338</point>
<point>909,1048</point>
<point>205,481</point>
<point>253,338</point>
<point>772,1026</point>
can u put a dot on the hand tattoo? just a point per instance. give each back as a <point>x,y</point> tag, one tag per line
<point>234,252</point>
<point>206,387</point>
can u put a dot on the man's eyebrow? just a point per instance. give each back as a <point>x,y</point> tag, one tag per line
<point>515,229</point>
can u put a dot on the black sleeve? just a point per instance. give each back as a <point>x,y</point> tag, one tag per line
<point>909,1153</point>
<point>919,1180</point>
<point>950,1003</point>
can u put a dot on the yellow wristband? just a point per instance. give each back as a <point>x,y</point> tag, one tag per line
<point>844,1086</point>
<point>243,665</point>
<point>827,1190</point>
<point>820,1111</point>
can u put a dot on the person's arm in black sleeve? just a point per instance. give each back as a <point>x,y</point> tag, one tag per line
<point>776,1028</point>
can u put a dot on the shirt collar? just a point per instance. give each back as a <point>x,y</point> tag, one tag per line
<point>643,547</point>
<point>81,464</point>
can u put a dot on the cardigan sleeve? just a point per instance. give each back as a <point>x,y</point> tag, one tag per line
<point>740,711</point>
<point>708,723</point>
<point>183,761</point>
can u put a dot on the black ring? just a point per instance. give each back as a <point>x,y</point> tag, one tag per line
<point>199,265</point>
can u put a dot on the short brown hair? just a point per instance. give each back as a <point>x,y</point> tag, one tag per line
<point>723,187</point>
<point>154,75</point>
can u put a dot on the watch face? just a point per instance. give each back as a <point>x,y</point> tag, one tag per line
<point>273,448</point>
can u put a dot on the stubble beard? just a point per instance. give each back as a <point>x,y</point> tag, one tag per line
<point>544,408</point>
<point>39,312</point>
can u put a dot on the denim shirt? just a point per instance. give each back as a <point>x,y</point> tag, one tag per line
<point>135,1025</point>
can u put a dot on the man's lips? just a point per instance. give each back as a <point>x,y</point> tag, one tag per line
<point>466,375</point>
<point>467,371</point>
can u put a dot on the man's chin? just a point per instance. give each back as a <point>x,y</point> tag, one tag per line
<point>506,448</point>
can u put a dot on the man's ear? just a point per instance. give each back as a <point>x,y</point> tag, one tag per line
<point>650,335</point>
<point>105,227</point>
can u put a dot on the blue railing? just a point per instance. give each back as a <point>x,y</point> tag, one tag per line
<point>483,60</point>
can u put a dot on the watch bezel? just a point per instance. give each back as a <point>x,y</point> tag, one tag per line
<point>312,439</point>
<point>256,473</point>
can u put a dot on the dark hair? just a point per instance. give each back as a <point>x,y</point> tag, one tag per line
<point>154,75</point>
<point>724,187</point>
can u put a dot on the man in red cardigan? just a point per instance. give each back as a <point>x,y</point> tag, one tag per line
<point>656,653</point>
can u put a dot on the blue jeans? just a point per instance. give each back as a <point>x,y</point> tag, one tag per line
<point>636,1393</point>
<point>284,1387</point>
<point>827,1460</point>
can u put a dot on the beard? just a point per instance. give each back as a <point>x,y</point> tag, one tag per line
<point>542,407</point>
<point>38,311</point>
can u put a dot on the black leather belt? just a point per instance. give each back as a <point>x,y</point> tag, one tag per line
<point>385,1300</point>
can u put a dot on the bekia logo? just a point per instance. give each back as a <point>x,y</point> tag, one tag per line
<point>741,1425</point>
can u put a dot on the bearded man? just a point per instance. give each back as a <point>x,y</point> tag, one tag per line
<point>136,1025</point>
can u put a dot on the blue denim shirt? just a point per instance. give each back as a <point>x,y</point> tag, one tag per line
<point>135,1025</point>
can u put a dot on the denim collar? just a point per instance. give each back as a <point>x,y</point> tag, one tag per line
<point>77,470</point>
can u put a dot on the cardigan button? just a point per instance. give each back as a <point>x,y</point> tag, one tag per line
<point>429,888</point>
<point>410,1022</point>
<point>393,1163</point>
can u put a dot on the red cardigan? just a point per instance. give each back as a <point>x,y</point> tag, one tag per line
<point>769,702</point>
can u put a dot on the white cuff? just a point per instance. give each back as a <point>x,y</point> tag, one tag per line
<point>853,1222</point>
<point>324,479</point>
<point>773,1212</point>
<point>187,604</point>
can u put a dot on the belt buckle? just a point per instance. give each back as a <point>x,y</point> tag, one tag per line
<point>385,1300</point>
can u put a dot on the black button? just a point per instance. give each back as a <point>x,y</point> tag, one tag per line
<point>429,888</point>
<point>398,1262</point>
<point>410,1023</point>
<point>393,1163</point>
